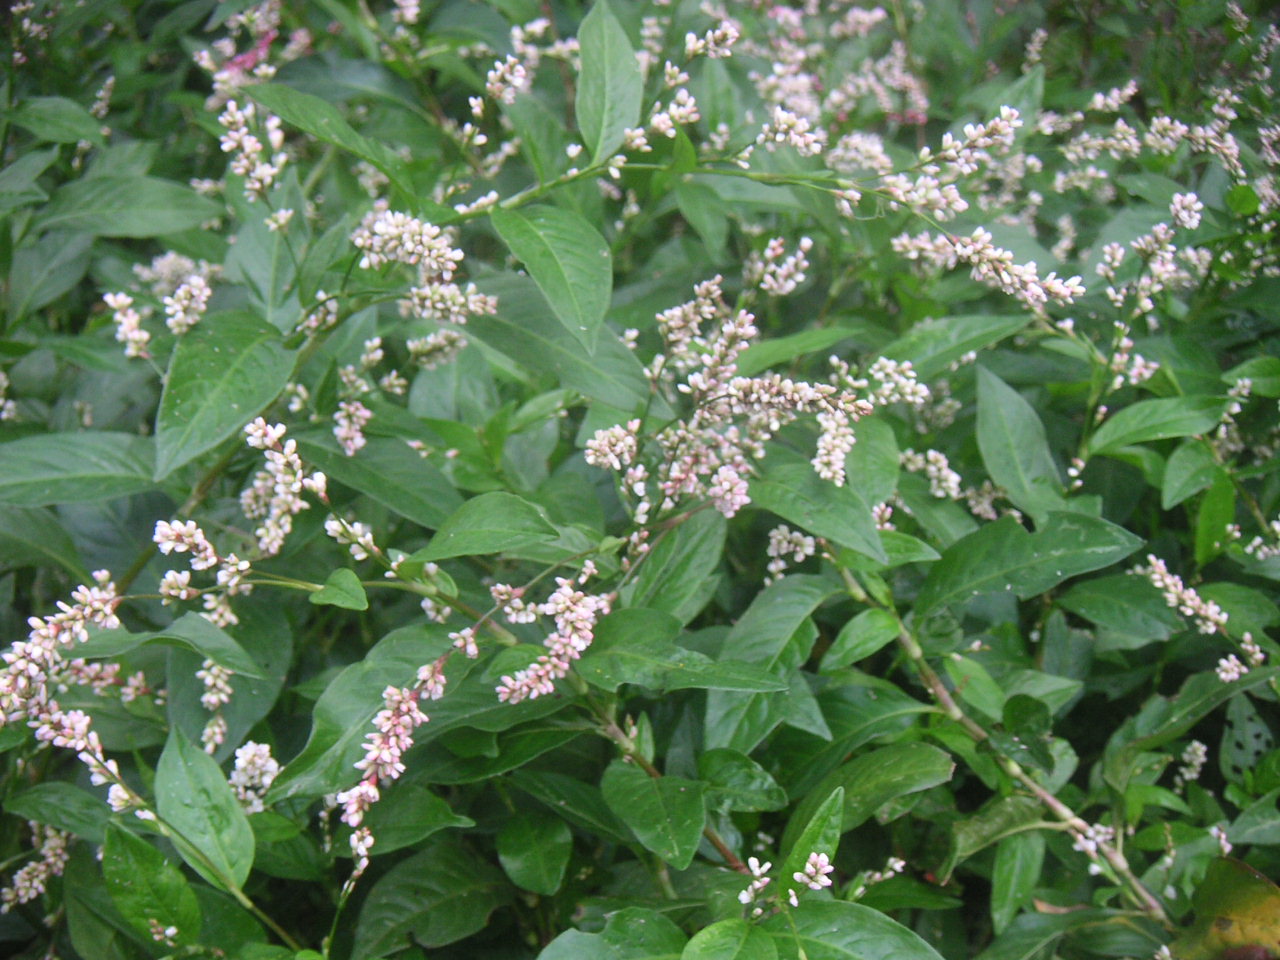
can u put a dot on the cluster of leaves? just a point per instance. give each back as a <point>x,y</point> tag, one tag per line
<point>909,692</point>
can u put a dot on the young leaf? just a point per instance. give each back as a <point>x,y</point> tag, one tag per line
<point>1217,511</point>
<point>212,833</point>
<point>610,86</point>
<point>534,849</point>
<point>489,523</point>
<point>666,813</point>
<point>1014,448</point>
<point>1189,470</point>
<point>75,467</point>
<point>148,889</point>
<point>868,632</point>
<point>568,260</point>
<point>341,589</point>
<point>678,566</point>
<point>224,371</point>
<point>1003,556</point>
<point>1157,420</point>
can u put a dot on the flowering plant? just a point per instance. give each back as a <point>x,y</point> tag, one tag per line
<point>646,480</point>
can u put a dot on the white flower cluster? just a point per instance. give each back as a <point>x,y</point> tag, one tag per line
<point>388,236</point>
<point>717,43</point>
<point>760,880</point>
<point>8,408</point>
<point>31,880</point>
<point>275,496</point>
<point>944,483</point>
<point>505,79</point>
<point>614,447</point>
<point>357,536</point>
<point>775,273</point>
<point>184,308</point>
<point>1209,617</point>
<point>128,321</point>
<point>1193,759</point>
<point>348,425</point>
<point>785,127</point>
<point>682,109</point>
<point>251,160</point>
<point>816,873</point>
<point>575,614</point>
<point>783,543</point>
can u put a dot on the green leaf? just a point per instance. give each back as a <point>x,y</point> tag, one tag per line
<point>933,346</point>
<point>75,467</point>
<point>579,803</point>
<point>58,120</point>
<point>1014,448</point>
<point>732,939</point>
<point>434,898</point>
<point>975,685</point>
<point>836,930</point>
<point>45,270</point>
<point>64,806</point>
<point>1157,420</point>
<point>389,472</point>
<point>18,185</point>
<point>147,888</point>
<point>1003,556</point>
<point>490,523</point>
<point>324,121</point>
<point>609,86</point>
<point>121,206</point>
<point>1000,818</point>
<point>707,214</point>
<point>870,631</point>
<point>407,815</point>
<point>821,834</point>
<point>764,354</point>
<point>224,371</point>
<point>769,634</point>
<point>666,813</point>
<point>211,831</point>
<point>634,646</point>
<point>1263,373</point>
<point>32,536</point>
<point>191,631</point>
<point>633,933</point>
<point>872,780</point>
<point>527,331</point>
<point>1019,859</point>
<point>534,849</point>
<point>1123,603</point>
<point>1217,511</point>
<point>341,589</point>
<point>1236,907</point>
<point>678,566</point>
<point>1162,719</point>
<point>568,260</point>
<point>736,782</point>
<point>797,494</point>
<point>1189,470</point>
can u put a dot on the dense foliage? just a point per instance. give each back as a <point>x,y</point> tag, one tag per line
<point>632,480</point>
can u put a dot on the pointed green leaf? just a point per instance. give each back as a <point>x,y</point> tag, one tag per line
<point>75,467</point>
<point>797,494</point>
<point>212,833</point>
<point>732,939</point>
<point>147,888</point>
<point>568,260</point>
<point>836,930</point>
<point>610,86</point>
<point>30,535</point>
<point>190,630</point>
<point>1003,556</point>
<point>666,813</point>
<point>225,370</point>
<point>124,206</point>
<point>1014,448</point>
<point>1159,419</point>
<point>821,834</point>
<point>534,849</point>
<point>490,523</point>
